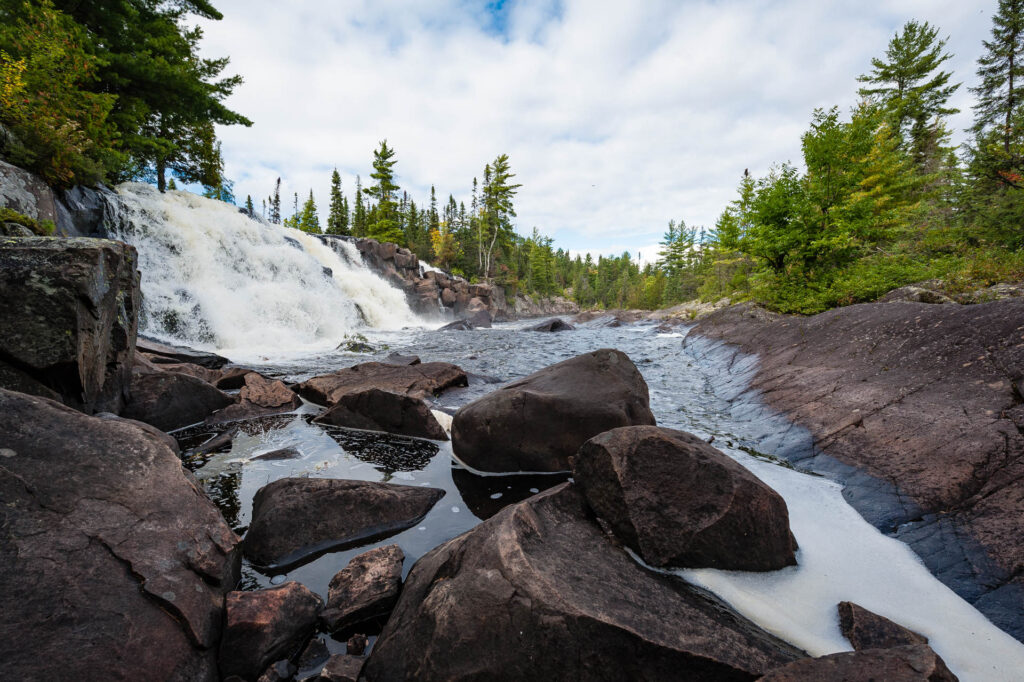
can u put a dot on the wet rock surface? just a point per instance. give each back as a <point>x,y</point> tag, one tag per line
<point>111,558</point>
<point>295,517</point>
<point>365,589</point>
<point>714,514</point>
<point>70,312</point>
<point>417,381</point>
<point>909,663</point>
<point>538,422</point>
<point>922,403</point>
<point>264,626</point>
<point>539,592</point>
<point>377,410</point>
<point>554,325</point>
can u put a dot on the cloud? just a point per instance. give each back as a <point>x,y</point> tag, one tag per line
<point>616,116</point>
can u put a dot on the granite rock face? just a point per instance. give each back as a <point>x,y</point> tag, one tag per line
<point>113,563</point>
<point>926,397</point>
<point>70,314</point>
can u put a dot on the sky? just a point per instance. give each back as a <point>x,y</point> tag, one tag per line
<point>616,116</point>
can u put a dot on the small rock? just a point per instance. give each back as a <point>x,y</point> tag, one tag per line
<point>457,326</point>
<point>314,654</point>
<point>396,359</point>
<point>282,671</point>
<point>365,589</point>
<point>258,397</point>
<point>342,668</point>
<point>553,325</point>
<point>356,644</point>
<point>262,626</point>
<point>283,453</point>
<point>867,630</point>
<point>294,517</point>
<point>222,441</point>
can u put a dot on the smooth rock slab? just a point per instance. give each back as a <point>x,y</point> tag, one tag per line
<point>417,381</point>
<point>295,517</point>
<point>909,663</point>
<point>679,502</point>
<point>539,421</point>
<point>377,410</point>
<point>538,592</point>
<point>365,589</point>
<point>113,563</point>
<point>264,626</point>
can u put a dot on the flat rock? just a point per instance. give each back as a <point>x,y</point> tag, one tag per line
<point>210,376</point>
<point>680,502</point>
<point>112,561</point>
<point>171,354</point>
<point>918,395</point>
<point>553,325</point>
<point>396,359</point>
<point>538,592</point>
<point>365,589</point>
<point>169,400</point>
<point>539,421</point>
<point>376,410</point>
<point>70,312</point>
<point>867,630</point>
<point>258,397</point>
<point>908,663</point>
<point>417,381</point>
<point>342,668</point>
<point>264,626</point>
<point>295,517</point>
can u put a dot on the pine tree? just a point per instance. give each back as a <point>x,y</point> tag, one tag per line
<point>337,219</point>
<point>308,221</point>
<point>359,214</point>
<point>385,227</point>
<point>275,204</point>
<point>910,86</point>
<point>250,210</point>
<point>171,185</point>
<point>496,210</point>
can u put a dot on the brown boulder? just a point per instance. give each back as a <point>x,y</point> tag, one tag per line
<point>909,663</point>
<point>295,517</point>
<point>867,630</point>
<point>417,381</point>
<point>264,626</point>
<point>232,379</point>
<point>166,353</point>
<point>553,325</point>
<point>539,421</point>
<point>113,563</point>
<point>365,589</point>
<point>70,312</point>
<point>342,668</point>
<point>714,514</point>
<point>538,592</point>
<point>447,297</point>
<point>210,376</point>
<point>376,410</point>
<point>169,400</point>
<point>259,397</point>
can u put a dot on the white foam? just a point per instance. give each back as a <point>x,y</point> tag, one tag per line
<point>844,558</point>
<point>215,278</point>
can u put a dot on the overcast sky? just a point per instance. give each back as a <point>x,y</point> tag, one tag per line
<point>616,116</point>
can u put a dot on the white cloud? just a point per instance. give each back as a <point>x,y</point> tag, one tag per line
<point>616,116</point>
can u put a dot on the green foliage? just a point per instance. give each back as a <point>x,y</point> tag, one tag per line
<point>384,224</point>
<point>337,219</point>
<point>43,228</point>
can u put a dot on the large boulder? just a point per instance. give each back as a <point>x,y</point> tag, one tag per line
<point>679,502</point>
<point>538,592</point>
<point>295,517</point>
<point>377,410</point>
<point>417,381</point>
<point>538,422</point>
<point>70,312</point>
<point>113,563</point>
<point>908,663</point>
<point>258,397</point>
<point>365,589</point>
<point>169,400</point>
<point>264,626</point>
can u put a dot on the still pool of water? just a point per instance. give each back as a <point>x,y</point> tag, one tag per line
<point>692,387</point>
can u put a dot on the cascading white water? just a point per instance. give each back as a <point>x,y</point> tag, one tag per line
<point>214,278</point>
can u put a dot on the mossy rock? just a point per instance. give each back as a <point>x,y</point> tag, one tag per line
<point>11,219</point>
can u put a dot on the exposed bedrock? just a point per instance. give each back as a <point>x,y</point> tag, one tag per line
<point>919,408</point>
<point>113,563</point>
<point>539,592</point>
<point>70,312</point>
<point>538,422</point>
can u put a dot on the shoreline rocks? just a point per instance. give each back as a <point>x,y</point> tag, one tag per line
<point>417,381</point>
<point>364,590</point>
<point>376,410</point>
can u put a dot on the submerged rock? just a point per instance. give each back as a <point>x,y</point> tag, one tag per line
<point>113,563</point>
<point>295,517</point>
<point>70,311</point>
<point>908,663</point>
<point>679,502</point>
<point>377,410</point>
<point>538,592</point>
<point>264,626</point>
<point>417,381</point>
<point>552,325</point>
<point>538,422</point>
<point>365,589</point>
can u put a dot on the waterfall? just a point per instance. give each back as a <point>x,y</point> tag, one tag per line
<point>214,278</point>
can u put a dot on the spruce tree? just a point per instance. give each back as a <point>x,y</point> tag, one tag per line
<point>250,210</point>
<point>275,204</point>
<point>359,213</point>
<point>308,221</point>
<point>496,210</point>
<point>385,227</point>
<point>337,218</point>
